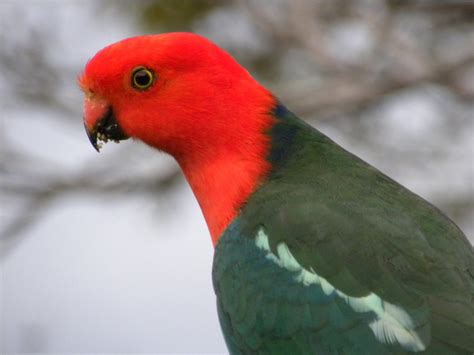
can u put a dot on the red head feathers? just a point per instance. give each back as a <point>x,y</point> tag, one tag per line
<point>182,94</point>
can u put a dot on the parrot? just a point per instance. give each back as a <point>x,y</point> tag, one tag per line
<point>315,250</point>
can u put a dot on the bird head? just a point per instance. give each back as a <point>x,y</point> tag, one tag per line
<point>182,94</point>
<point>177,92</point>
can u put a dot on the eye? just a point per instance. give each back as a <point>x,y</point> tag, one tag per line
<point>142,78</point>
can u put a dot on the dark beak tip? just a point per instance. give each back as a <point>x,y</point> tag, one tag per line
<point>92,138</point>
<point>96,147</point>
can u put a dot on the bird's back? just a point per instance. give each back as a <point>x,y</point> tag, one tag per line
<point>330,255</point>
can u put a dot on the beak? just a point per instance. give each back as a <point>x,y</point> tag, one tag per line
<point>92,135</point>
<point>101,124</point>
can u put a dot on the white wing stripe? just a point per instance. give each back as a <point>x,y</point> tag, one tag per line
<point>393,324</point>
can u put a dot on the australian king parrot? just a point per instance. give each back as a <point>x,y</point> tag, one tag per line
<point>316,251</point>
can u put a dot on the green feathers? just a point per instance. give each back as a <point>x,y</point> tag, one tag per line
<point>394,274</point>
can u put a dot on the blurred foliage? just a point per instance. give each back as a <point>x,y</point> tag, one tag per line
<point>348,66</point>
<point>175,15</point>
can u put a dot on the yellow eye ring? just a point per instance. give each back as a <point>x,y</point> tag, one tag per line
<point>142,78</point>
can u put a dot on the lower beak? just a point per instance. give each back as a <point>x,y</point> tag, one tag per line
<point>101,124</point>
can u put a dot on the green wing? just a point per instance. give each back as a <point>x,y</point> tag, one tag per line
<point>264,309</point>
<point>363,234</point>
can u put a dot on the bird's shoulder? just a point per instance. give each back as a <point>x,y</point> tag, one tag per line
<point>334,212</point>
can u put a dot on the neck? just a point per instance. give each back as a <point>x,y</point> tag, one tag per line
<point>222,187</point>
<point>224,180</point>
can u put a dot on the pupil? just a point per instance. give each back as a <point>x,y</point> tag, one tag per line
<point>142,78</point>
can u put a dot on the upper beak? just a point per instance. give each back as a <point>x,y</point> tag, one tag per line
<point>100,123</point>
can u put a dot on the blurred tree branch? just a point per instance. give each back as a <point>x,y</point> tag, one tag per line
<point>352,55</point>
<point>357,85</point>
<point>40,196</point>
<point>352,93</point>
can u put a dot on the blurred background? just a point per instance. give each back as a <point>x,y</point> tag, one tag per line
<point>110,253</point>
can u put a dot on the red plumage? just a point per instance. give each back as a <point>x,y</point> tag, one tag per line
<point>204,109</point>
